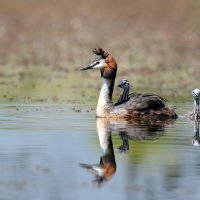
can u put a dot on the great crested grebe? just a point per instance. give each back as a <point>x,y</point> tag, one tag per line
<point>138,106</point>
<point>124,84</point>
<point>195,115</point>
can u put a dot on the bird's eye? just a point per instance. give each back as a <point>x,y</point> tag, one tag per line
<point>97,62</point>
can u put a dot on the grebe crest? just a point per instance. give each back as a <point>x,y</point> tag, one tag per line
<point>138,106</point>
<point>195,115</point>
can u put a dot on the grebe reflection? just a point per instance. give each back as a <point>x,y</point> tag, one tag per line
<point>128,130</point>
<point>106,167</point>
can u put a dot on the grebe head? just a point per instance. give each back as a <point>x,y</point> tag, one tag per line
<point>105,63</point>
<point>196,96</point>
<point>124,84</point>
<point>196,93</point>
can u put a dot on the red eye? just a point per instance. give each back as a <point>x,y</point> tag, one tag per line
<point>97,62</point>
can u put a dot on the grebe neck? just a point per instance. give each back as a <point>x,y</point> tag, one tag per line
<point>196,105</point>
<point>105,97</point>
<point>125,95</point>
<point>106,92</point>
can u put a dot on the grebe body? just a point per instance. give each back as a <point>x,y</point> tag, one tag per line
<point>138,106</point>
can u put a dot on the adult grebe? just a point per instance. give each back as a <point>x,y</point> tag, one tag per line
<point>138,106</point>
<point>195,115</point>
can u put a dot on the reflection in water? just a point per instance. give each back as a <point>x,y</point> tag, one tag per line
<point>138,130</point>
<point>107,165</point>
<point>128,130</point>
<point>125,144</point>
<point>196,138</point>
<point>40,147</point>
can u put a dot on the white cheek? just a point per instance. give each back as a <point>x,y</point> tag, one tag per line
<point>99,66</point>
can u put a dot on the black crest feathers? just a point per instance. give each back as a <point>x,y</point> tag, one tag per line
<point>100,52</point>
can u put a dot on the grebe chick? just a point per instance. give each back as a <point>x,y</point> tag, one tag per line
<point>146,106</point>
<point>195,115</point>
<point>124,84</point>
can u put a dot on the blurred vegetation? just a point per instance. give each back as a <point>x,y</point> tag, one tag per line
<point>43,44</point>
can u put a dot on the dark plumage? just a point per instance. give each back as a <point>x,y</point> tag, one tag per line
<point>144,106</point>
<point>100,52</point>
<point>141,101</point>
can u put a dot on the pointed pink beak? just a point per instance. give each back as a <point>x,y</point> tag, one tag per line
<point>86,68</point>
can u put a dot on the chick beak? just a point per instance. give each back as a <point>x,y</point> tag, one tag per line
<point>119,85</point>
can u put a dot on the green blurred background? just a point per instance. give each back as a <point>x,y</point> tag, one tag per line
<point>44,43</point>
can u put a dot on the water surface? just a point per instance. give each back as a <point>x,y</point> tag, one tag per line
<point>61,152</point>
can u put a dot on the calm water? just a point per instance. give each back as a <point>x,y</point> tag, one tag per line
<point>54,152</point>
